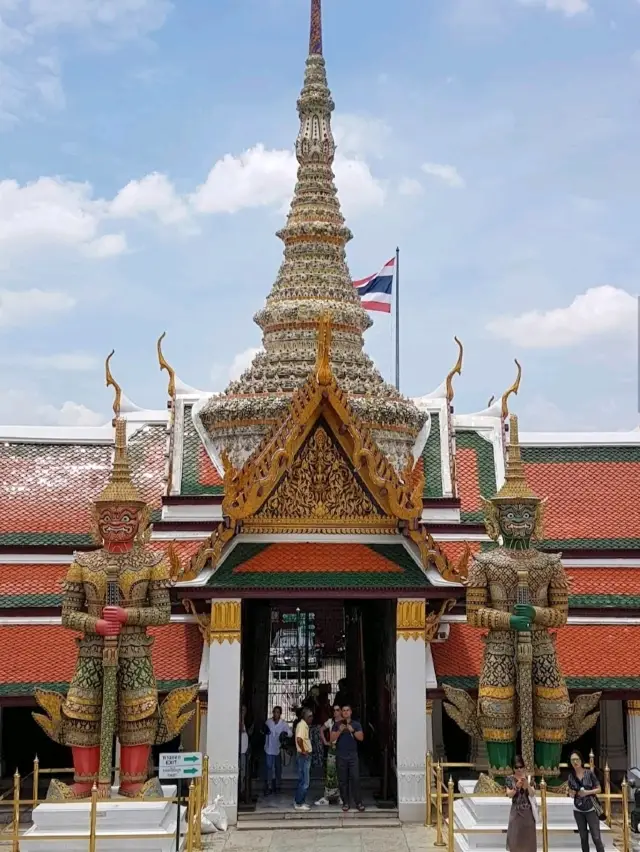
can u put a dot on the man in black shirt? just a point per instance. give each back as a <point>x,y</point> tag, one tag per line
<point>347,734</point>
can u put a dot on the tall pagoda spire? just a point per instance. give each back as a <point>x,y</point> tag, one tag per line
<point>313,281</point>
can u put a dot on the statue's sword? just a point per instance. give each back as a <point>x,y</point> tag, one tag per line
<point>524,657</point>
<point>109,687</point>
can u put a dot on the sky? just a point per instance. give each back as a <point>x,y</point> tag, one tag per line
<point>146,152</point>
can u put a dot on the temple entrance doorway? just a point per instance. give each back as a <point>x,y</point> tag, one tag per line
<point>308,653</point>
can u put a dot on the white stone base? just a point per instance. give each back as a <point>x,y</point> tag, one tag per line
<point>117,816</point>
<point>492,812</point>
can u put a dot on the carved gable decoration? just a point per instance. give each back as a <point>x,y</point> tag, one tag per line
<point>320,488</point>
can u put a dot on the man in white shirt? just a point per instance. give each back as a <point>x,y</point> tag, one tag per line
<point>275,727</point>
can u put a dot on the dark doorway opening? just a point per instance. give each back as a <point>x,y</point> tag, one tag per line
<point>307,653</point>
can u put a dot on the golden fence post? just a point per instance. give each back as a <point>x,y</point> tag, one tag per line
<point>439,838</point>
<point>205,781</point>
<point>36,779</point>
<point>625,815</point>
<point>592,760</point>
<point>607,793</point>
<point>545,816</point>
<point>93,818</point>
<point>451,826</point>
<point>15,840</point>
<point>427,821</point>
<point>197,815</point>
<point>198,722</point>
<point>190,822</point>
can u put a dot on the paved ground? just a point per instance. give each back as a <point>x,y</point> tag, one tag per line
<point>405,839</point>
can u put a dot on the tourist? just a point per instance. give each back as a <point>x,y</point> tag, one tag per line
<point>331,790</point>
<point>346,734</point>
<point>343,695</point>
<point>521,833</point>
<point>583,789</point>
<point>303,759</point>
<point>275,729</point>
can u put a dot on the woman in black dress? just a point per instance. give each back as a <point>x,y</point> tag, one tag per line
<point>521,833</point>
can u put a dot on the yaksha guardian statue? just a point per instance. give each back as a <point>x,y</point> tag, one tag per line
<point>518,592</point>
<point>111,596</point>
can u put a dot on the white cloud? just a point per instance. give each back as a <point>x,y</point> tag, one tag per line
<point>360,136</point>
<point>32,306</point>
<point>449,174</point>
<point>151,194</point>
<point>21,407</point>
<point>260,177</point>
<point>116,19</point>
<point>242,361</point>
<point>108,245</point>
<point>70,414</point>
<point>410,186</point>
<point>51,211</point>
<point>62,361</point>
<point>567,7</point>
<point>600,311</point>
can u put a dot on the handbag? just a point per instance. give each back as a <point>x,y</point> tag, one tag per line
<point>597,806</point>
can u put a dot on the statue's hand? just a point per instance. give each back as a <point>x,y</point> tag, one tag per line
<point>525,611</point>
<point>107,628</point>
<point>519,622</point>
<point>114,614</point>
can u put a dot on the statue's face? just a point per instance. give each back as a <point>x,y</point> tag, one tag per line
<point>118,523</point>
<point>517,521</point>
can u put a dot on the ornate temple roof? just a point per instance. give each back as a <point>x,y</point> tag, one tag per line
<point>313,279</point>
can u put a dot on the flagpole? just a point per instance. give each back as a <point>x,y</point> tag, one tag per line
<point>397,319</point>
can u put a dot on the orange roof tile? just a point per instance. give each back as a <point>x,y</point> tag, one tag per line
<point>587,500</point>
<point>604,581</point>
<point>616,654</point>
<point>468,481</point>
<point>453,550</point>
<point>41,654</point>
<point>46,490</point>
<point>31,585</point>
<point>207,473</point>
<point>325,558</point>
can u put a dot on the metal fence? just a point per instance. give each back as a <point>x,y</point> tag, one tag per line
<point>438,793</point>
<point>195,802</point>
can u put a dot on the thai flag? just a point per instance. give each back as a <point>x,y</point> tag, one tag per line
<point>375,291</point>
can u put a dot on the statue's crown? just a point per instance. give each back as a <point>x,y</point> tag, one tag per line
<point>515,488</point>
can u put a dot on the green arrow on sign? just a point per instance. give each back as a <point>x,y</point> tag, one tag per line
<point>193,759</point>
<point>190,771</point>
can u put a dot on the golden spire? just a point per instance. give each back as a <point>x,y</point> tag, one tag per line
<point>323,358</point>
<point>515,387</point>
<point>315,30</point>
<point>515,486</point>
<point>120,488</point>
<point>457,370</point>
<point>171,390</point>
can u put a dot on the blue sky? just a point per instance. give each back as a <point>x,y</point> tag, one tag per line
<point>146,152</point>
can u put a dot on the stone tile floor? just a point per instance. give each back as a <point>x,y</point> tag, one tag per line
<point>403,839</point>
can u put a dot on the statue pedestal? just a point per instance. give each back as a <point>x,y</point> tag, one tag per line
<point>492,812</point>
<point>153,824</point>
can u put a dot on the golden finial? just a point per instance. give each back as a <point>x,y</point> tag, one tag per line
<point>323,358</point>
<point>120,488</point>
<point>165,366</point>
<point>515,483</point>
<point>111,382</point>
<point>515,387</point>
<point>457,370</point>
<point>491,401</point>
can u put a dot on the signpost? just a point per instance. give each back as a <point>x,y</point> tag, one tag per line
<point>176,766</point>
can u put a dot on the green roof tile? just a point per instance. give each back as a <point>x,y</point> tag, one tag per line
<point>192,449</point>
<point>432,460</point>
